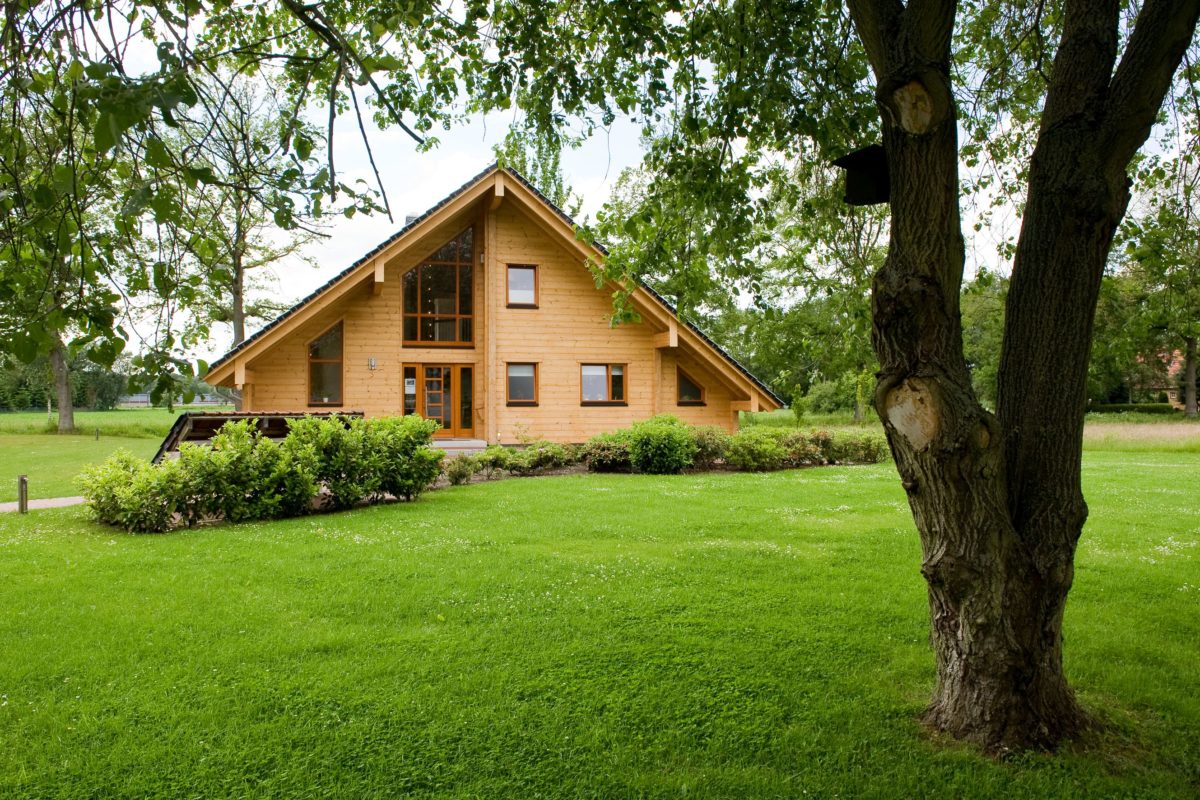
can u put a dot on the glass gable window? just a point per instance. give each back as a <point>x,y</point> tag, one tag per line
<point>438,295</point>
<point>325,368</point>
<point>522,286</point>
<point>522,384</point>
<point>690,392</point>
<point>602,383</point>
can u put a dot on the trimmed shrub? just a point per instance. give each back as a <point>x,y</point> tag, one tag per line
<point>345,464</point>
<point>801,449</point>
<point>398,447</point>
<point>493,459</point>
<point>661,445</point>
<point>860,448</point>
<point>101,484</point>
<point>712,443</point>
<point>149,501</point>
<point>756,450</point>
<point>539,456</point>
<point>823,441</point>
<point>254,477</point>
<point>246,476</point>
<point>608,452</point>
<point>461,469</point>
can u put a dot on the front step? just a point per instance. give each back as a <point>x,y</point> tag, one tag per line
<point>460,447</point>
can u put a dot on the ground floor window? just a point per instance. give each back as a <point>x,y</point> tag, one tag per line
<point>522,385</point>
<point>601,384</point>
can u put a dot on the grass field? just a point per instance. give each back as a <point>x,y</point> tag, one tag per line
<point>52,462</point>
<point>720,635</point>
<point>145,423</point>
<point>28,446</point>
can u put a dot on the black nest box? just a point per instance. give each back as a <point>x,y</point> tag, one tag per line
<point>866,176</point>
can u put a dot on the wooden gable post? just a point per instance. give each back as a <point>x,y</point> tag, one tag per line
<point>669,338</point>
<point>377,286</point>
<point>497,192</point>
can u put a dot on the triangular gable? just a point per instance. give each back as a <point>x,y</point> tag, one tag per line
<point>501,182</point>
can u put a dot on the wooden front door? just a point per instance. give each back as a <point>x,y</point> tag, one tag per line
<point>442,392</point>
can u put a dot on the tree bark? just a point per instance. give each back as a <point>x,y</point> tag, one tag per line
<point>1189,376</point>
<point>60,366</point>
<point>997,499</point>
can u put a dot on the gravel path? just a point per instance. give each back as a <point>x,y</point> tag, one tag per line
<point>48,502</point>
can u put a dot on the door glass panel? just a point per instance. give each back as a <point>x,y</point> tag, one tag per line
<point>410,390</point>
<point>437,396</point>
<point>465,389</point>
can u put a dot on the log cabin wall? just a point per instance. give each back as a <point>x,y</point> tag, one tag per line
<point>568,328</point>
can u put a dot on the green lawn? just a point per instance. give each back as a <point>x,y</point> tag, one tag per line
<point>53,462</point>
<point>148,423</point>
<point>721,635</point>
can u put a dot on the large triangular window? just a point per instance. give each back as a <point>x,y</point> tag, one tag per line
<point>438,301</point>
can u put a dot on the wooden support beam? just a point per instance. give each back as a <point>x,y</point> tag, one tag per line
<point>241,375</point>
<point>377,286</point>
<point>668,338</point>
<point>498,193</point>
<point>745,405</point>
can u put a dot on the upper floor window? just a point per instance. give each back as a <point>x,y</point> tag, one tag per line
<point>438,301</point>
<point>690,393</point>
<point>602,383</point>
<point>522,286</point>
<point>325,368</point>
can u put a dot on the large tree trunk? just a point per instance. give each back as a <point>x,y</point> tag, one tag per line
<point>60,367</point>
<point>997,499</point>
<point>1189,376</point>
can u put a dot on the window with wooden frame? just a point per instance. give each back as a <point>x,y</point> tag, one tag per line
<point>688,392</point>
<point>325,368</point>
<point>438,296</point>
<point>522,286</point>
<point>602,384</point>
<point>522,385</point>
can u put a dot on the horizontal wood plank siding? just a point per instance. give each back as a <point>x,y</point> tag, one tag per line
<point>569,327</point>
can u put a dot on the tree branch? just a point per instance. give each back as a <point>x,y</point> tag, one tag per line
<point>926,28</point>
<point>1161,36</point>
<point>877,23</point>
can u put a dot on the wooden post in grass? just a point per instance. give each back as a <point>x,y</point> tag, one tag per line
<point>23,494</point>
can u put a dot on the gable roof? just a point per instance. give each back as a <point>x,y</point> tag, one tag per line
<point>474,181</point>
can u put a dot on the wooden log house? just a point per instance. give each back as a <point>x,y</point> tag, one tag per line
<point>483,315</point>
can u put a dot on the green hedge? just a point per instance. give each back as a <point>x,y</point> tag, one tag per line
<point>1139,408</point>
<point>245,476</point>
<point>665,445</point>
